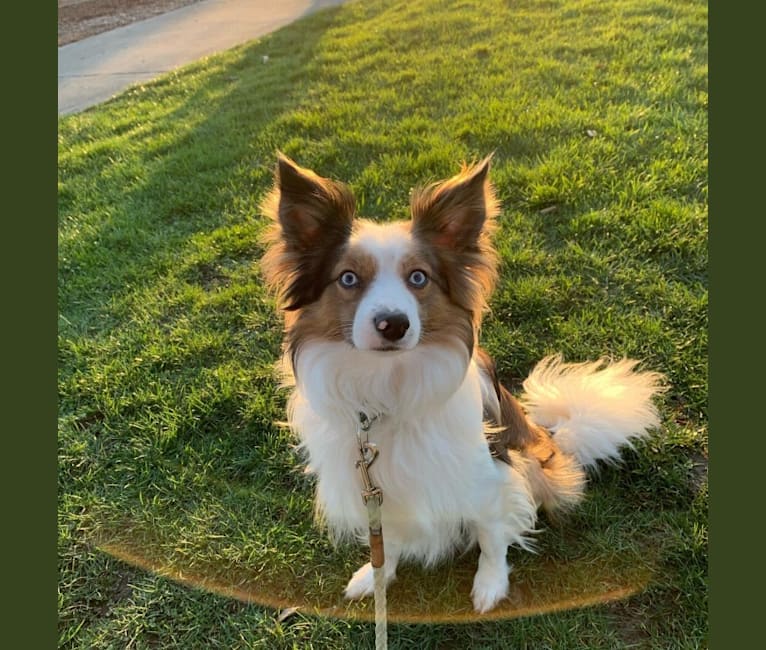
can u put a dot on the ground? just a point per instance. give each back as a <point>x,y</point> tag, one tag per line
<point>78,19</point>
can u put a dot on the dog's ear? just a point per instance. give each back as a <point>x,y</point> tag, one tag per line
<point>454,213</point>
<point>456,218</point>
<point>313,217</point>
<point>311,210</point>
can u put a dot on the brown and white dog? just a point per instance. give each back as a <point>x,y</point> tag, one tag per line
<point>381,319</point>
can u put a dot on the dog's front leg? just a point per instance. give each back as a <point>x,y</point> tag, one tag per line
<point>362,583</point>
<point>490,584</point>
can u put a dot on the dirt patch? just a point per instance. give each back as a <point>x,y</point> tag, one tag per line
<point>78,19</point>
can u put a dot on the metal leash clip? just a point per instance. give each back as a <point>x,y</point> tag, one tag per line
<point>368,453</point>
<point>373,498</point>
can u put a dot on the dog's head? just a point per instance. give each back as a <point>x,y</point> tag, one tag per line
<point>384,287</point>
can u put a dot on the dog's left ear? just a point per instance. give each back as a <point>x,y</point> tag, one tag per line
<point>454,213</point>
<point>457,218</point>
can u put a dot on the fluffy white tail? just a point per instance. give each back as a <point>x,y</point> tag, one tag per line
<point>593,408</point>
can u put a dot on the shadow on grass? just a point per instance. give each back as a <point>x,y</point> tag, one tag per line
<point>441,595</point>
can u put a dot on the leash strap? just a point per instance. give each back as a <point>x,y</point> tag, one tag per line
<point>373,498</point>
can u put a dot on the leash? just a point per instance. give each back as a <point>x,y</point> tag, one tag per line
<point>373,498</point>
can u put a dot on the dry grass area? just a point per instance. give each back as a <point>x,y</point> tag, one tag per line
<point>79,19</point>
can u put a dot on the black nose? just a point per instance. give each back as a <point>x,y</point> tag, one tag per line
<point>392,325</point>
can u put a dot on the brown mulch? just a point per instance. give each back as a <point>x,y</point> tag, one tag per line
<point>79,19</point>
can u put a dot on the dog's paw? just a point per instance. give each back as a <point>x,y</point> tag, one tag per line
<point>362,583</point>
<point>489,588</point>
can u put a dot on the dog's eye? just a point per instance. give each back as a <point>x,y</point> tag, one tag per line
<point>348,279</point>
<point>418,279</point>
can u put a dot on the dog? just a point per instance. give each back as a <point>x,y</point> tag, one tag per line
<point>381,322</point>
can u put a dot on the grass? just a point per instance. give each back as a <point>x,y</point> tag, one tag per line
<point>184,519</point>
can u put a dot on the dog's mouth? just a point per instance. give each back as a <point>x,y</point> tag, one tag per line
<point>388,348</point>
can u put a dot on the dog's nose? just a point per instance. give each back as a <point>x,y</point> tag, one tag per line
<point>392,325</point>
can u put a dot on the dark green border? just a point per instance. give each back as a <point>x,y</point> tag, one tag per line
<point>29,324</point>
<point>736,245</point>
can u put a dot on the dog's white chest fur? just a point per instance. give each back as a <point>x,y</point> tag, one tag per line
<point>428,428</point>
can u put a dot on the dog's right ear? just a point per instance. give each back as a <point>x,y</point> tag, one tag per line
<point>313,217</point>
<point>311,210</point>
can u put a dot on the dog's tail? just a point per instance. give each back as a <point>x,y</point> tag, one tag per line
<point>594,408</point>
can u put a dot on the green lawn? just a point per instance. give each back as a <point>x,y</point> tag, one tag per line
<point>184,518</point>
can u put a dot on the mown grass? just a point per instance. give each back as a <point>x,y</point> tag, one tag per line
<point>169,455</point>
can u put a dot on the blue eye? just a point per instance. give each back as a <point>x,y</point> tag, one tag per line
<point>348,280</point>
<point>418,279</point>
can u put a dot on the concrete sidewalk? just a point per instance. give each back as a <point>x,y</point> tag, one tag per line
<point>94,69</point>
